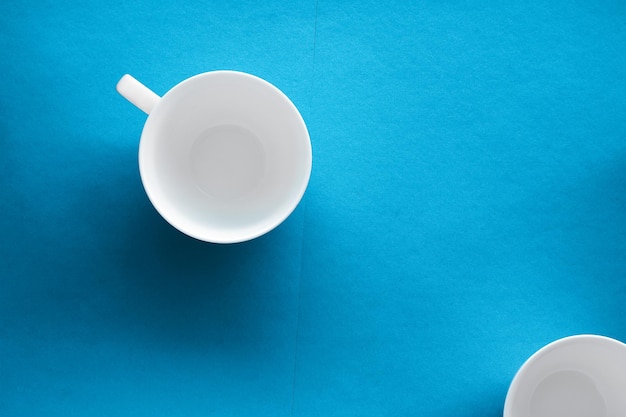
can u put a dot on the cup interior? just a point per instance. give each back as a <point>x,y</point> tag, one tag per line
<point>578,376</point>
<point>225,156</point>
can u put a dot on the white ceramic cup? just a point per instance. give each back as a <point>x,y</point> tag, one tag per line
<point>577,376</point>
<point>224,156</point>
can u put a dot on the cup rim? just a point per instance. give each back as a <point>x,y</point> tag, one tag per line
<point>244,234</point>
<point>521,374</point>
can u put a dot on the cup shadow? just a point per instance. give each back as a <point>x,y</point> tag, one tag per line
<point>491,405</point>
<point>188,292</point>
<point>169,290</point>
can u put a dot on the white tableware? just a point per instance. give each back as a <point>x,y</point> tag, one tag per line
<point>577,376</point>
<point>224,156</point>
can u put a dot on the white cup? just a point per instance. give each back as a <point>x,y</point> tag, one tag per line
<point>577,376</point>
<point>224,156</point>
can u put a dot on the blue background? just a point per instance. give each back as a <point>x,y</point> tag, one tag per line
<point>467,205</point>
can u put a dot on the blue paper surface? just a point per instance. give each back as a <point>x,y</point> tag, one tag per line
<point>467,205</point>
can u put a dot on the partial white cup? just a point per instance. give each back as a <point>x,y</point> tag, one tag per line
<point>577,376</point>
<point>224,156</point>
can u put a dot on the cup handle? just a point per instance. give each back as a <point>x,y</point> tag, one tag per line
<point>137,93</point>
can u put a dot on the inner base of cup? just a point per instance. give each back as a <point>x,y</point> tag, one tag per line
<point>227,162</point>
<point>567,394</point>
